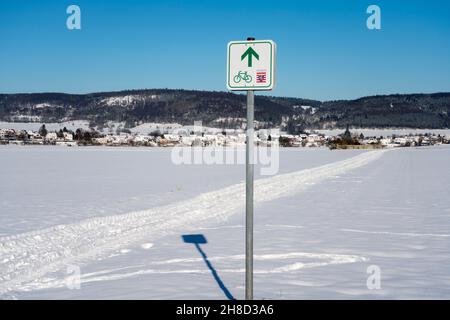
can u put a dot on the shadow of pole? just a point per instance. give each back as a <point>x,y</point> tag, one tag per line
<point>198,239</point>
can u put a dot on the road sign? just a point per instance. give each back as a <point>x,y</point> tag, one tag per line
<point>251,65</point>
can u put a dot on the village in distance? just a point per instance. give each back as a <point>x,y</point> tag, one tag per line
<point>163,135</point>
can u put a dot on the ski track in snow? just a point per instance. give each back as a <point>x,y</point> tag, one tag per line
<point>401,234</point>
<point>323,259</point>
<point>29,256</point>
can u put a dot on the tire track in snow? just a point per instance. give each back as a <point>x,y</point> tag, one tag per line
<point>28,256</point>
<point>401,234</point>
<point>319,260</point>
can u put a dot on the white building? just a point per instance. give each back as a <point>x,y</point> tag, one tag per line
<point>68,136</point>
<point>51,136</point>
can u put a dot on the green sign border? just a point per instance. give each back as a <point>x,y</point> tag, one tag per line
<point>271,67</point>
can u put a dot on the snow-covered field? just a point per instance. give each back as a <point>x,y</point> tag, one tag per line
<point>119,215</point>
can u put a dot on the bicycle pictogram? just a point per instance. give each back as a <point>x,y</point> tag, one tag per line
<point>242,76</point>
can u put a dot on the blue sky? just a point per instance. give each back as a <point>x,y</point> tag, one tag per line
<point>324,52</point>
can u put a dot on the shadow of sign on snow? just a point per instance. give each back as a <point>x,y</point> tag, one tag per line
<point>197,240</point>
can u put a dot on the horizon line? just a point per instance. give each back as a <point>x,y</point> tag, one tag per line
<point>226,91</point>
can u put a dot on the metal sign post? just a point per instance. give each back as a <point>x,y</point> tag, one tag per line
<point>250,67</point>
<point>249,197</point>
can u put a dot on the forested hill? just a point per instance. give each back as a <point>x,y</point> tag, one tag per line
<point>228,109</point>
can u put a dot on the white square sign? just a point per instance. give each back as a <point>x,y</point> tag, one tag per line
<point>251,65</point>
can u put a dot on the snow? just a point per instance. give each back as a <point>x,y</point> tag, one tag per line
<point>146,246</point>
<point>306,108</point>
<point>150,127</point>
<point>111,127</point>
<point>45,105</point>
<point>119,215</point>
<point>385,132</point>
<point>126,100</point>
<point>53,126</point>
<point>122,100</point>
<point>90,182</point>
<point>27,118</point>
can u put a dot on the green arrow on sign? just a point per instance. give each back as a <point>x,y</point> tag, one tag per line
<point>250,53</point>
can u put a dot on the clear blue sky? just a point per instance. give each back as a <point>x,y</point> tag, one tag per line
<point>325,50</point>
